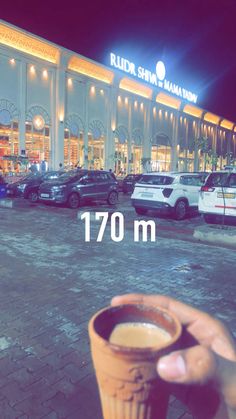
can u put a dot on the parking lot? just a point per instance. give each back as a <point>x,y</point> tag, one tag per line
<point>53,280</point>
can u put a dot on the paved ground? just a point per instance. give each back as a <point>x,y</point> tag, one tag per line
<point>52,281</point>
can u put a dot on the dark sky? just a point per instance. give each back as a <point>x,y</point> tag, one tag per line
<point>195,39</point>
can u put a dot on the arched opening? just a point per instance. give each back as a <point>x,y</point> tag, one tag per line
<point>73,142</point>
<point>96,144</point>
<point>136,152</point>
<point>121,151</point>
<point>37,132</point>
<point>9,139</point>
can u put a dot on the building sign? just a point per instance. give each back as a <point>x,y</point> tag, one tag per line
<point>156,78</point>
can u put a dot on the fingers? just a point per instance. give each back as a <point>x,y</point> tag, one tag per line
<point>196,365</point>
<point>200,365</point>
<point>186,314</point>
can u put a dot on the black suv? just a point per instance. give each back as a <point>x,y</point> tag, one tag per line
<point>74,187</point>
<point>129,182</point>
<point>28,186</point>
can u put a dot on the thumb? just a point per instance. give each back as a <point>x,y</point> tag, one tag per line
<point>196,365</point>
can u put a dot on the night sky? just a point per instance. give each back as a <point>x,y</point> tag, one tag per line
<point>195,39</point>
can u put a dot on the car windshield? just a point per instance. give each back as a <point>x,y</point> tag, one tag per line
<point>217,179</point>
<point>71,175</point>
<point>156,180</point>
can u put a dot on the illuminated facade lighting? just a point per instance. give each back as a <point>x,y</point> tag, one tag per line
<point>92,90</point>
<point>210,117</point>
<point>169,101</point>
<point>27,43</point>
<point>136,88</point>
<point>226,124</point>
<point>45,74</point>
<point>90,69</point>
<point>193,111</point>
<point>126,101</point>
<point>32,69</point>
<point>12,61</point>
<point>69,82</point>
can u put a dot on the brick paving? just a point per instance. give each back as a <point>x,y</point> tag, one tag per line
<point>51,282</point>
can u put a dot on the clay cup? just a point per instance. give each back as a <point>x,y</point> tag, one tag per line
<point>128,383</point>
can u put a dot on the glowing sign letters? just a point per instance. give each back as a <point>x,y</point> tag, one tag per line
<point>157,79</point>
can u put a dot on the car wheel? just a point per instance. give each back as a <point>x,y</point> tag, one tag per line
<point>112,198</point>
<point>180,210</point>
<point>209,219</point>
<point>73,200</point>
<point>33,196</point>
<point>141,211</point>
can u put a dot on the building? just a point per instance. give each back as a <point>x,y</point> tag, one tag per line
<point>58,106</point>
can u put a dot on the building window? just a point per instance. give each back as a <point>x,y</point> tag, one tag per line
<point>37,143</point>
<point>161,158</point>
<point>121,157</point>
<point>9,143</point>
<point>136,159</point>
<point>73,149</point>
<point>95,152</point>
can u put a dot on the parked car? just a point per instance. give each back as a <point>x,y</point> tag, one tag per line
<point>13,189</point>
<point>28,186</point>
<point>3,187</point>
<point>172,193</point>
<point>74,187</point>
<point>129,182</point>
<point>217,197</point>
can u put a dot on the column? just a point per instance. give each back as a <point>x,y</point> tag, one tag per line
<point>130,129</point>
<point>111,126</point>
<point>147,146</point>
<point>58,112</point>
<point>196,153</point>
<point>174,154</point>
<point>86,123</point>
<point>22,105</point>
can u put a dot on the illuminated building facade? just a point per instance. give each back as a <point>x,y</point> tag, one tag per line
<point>58,106</point>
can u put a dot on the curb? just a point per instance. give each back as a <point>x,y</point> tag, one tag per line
<point>216,234</point>
<point>13,203</point>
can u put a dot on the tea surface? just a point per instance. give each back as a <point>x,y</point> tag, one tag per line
<point>139,335</point>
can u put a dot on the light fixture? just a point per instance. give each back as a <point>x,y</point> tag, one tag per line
<point>119,99</point>
<point>38,122</point>
<point>92,89</point>
<point>141,106</point>
<point>32,69</point>
<point>12,61</point>
<point>102,92</point>
<point>45,74</point>
<point>126,101</point>
<point>135,104</point>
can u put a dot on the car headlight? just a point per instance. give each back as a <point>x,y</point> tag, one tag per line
<point>58,188</point>
<point>22,187</point>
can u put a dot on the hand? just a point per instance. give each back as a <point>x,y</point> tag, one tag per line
<point>212,360</point>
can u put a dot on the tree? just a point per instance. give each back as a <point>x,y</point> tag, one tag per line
<point>209,155</point>
<point>145,162</point>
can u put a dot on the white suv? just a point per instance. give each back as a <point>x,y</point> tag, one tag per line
<point>167,192</point>
<point>218,196</point>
